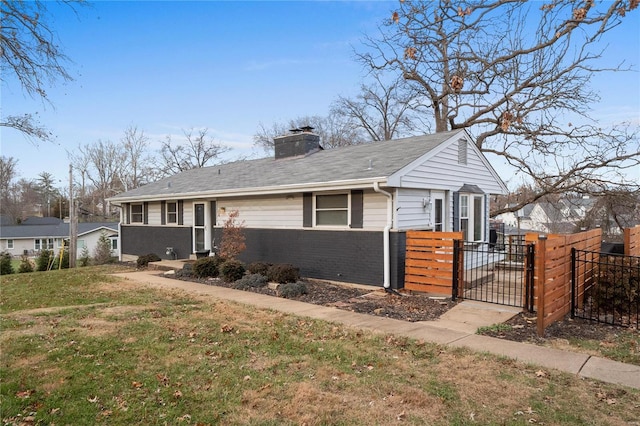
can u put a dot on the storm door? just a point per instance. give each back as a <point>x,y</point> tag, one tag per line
<point>199,229</point>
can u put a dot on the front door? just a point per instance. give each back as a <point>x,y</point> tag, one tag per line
<point>199,227</point>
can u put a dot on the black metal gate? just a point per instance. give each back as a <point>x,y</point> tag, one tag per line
<point>495,273</point>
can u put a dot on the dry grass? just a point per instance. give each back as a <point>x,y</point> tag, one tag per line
<point>168,357</point>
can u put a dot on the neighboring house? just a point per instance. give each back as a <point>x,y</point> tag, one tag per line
<point>36,234</point>
<point>338,214</point>
<point>560,217</point>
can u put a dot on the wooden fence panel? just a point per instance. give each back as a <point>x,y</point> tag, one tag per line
<point>632,241</point>
<point>429,261</point>
<point>552,273</point>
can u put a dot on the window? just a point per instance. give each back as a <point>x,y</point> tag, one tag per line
<point>332,210</point>
<point>464,215</point>
<point>9,244</point>
<point>81,244</point>
<point>114,244</point>
<point>472,216</point>
<point>137,215</point>
<point>172,212</point>
<point>43,244</point>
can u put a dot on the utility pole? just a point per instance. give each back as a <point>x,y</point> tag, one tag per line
<point>73,223</point>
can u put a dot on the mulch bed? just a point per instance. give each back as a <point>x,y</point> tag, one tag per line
<point>407,307</point>
<point>421,307</point>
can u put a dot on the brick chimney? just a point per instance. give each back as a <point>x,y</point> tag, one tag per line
<point>298,142</point>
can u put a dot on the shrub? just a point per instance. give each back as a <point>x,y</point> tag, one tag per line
<point>143,261</point>
<point>261,268</point>
<point>84,257</point>
<point>5,264</point>
<point>102,252</point>
<point>283,273</point>
<point>207,266</point>
<point>232,270</point>
<point>44,260</point>
<point>251,281</point>
<point>233,239</point>
<point>291,290</point>
<point>25,265</point>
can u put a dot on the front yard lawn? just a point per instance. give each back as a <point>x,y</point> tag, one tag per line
<point>81,347</point>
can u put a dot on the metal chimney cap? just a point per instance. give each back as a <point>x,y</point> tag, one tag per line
<point>307,128</point>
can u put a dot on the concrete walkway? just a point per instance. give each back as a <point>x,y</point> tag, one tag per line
<point>456,328</point>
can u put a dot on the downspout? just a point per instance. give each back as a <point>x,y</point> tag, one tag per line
<point>385,238</point>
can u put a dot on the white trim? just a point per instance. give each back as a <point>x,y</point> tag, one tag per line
<point>315,210</point>
<point>341,185</point>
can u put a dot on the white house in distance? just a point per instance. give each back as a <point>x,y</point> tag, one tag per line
<point>36,234</point>
<point>339,214</point>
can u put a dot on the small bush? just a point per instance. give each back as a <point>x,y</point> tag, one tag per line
<point>6,267</point>
<point>84,257</point>
<point>261,268</point>
<point>25,265</point>
<point>251,281</point>
<point>186,271</point>
<point>44,260</point>
<point>291,290</point>
<point>207,267</point>
<point>232,270</point>
<point>143,261</point>
<point>283,273</point>
<point>102,252</point>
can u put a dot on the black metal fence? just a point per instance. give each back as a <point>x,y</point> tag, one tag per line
<point>501,273</point>
<point>605,288</point>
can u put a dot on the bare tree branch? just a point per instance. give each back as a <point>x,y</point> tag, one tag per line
<point>512,72</point>
<point>198,151</point>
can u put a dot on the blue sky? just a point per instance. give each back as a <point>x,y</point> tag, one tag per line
<point>227,66</point>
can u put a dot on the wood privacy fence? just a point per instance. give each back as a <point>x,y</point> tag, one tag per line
<point>429,264</point>
<point>552,272</point>
<point>632,241</point>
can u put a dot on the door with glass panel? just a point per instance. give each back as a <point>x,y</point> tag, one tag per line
<point>199,229</point>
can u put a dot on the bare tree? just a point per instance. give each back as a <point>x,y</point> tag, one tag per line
<point>136,169</point>
<point>334,130</point>
<point>8,173</point>
<point>613,212</point>
<point>199,151</point>
<point>513,73</point>
<point>383,110</point>
<point>29,52</point>
<point>103,161</point>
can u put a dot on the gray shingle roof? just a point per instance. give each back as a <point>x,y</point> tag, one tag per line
<point>367,161</point>
<point>60,230</point>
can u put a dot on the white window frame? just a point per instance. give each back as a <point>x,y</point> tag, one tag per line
<point>135,214</point>
<point>468,213</point>
<point>38,243</point>
<point>114,243</point>
<point>347,209</point>
<point>171,216</point>
<point>9,244</point>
